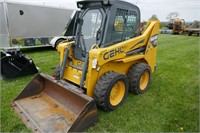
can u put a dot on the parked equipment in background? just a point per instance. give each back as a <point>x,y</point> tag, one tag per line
<point>15,64</point>
<point>32,41</point>
<point>165,31</point>
<point>59,39</point>
<point>107,58</point>
<point>17,20</point>
<point>68,34</point>
<point>177,26</point>
<point>191,31</point>
<point>29,42</point>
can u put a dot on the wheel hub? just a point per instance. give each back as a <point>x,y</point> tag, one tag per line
<point>117,93</point>
<point>144,80</point>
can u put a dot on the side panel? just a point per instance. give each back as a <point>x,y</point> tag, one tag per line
<point>30,21</point>
<point>95,74</point>
<point>4,36</point>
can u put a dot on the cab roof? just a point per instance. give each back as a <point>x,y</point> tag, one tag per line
<point>85,3</point>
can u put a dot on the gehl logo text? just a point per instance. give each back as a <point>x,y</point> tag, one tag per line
<point>112,53</point>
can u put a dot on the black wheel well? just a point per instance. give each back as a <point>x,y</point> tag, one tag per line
<point>58,41</point>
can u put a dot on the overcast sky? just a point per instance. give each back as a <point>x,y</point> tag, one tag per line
<point>188,9</point>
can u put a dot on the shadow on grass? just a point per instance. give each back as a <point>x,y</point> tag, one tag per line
<point>39,49</point>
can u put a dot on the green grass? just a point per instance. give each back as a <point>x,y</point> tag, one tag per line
<point>170,105</point>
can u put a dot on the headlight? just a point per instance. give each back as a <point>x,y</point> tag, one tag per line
<point>105,2</point>
<point>94,63</point>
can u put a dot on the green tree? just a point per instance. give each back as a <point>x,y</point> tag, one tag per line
<point>153,17</point>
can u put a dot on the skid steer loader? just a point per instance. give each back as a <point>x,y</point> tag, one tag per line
<point>107,58</point>
<point>177,26</point>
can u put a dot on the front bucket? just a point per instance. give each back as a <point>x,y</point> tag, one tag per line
<point>48,105</point>
<point>14,64</point>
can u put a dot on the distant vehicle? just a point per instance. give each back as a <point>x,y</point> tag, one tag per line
<point>178,27</point>
<point>30,24</point>
<point>165,30</point>
<point>191,31</point>
<point>68,34</point>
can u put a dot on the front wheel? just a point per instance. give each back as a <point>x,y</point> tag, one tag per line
<point>111,90</point>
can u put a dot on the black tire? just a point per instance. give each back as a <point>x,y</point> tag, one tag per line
<point>14,41</point>
<point>57,72</point>
<point>29,42</point>
<point>104,86</point>
<point>44,41</point>
<point>57,42</point>
<point>189,33</point>
<point>136,72</point>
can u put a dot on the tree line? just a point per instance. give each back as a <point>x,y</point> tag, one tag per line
<point>174,15</point>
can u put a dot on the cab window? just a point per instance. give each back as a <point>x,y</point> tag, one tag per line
<point>124,27</point>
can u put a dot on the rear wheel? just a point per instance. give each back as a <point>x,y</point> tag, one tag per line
<point>139,77</point>
<point>29,42</point>
<point>111,90</point>
<point>189,33</point>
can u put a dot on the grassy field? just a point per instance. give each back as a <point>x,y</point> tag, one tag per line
<point>170,105</point>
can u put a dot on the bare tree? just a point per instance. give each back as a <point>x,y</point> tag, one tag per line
<point>153,17</point>
<point>172,15</point>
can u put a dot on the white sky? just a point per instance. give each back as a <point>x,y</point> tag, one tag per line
<point>188,9</point>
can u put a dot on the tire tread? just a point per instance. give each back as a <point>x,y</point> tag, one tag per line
<point>101,89</point>
<point>134,77</point>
